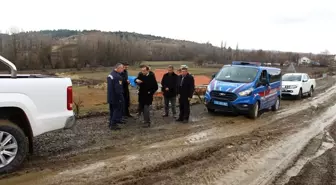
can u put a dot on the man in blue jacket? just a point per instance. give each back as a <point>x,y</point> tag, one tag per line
<point>115,96</point>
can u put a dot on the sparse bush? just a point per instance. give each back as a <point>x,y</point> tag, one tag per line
<point>78,104</point>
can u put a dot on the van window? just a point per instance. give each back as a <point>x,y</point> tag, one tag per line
<point>275,75</point>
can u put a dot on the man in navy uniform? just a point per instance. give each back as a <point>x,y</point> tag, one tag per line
<point>126,83</point>
<point>186,87</point>
<point>115,96</point>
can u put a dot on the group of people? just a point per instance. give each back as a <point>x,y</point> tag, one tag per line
<point>174,86</point>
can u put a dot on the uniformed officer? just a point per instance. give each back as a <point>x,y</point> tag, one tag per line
<point>126,92</point>
<point>115,96</point>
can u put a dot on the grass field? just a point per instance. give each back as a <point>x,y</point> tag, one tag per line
<point>93,99</point>
<point>134,70</point>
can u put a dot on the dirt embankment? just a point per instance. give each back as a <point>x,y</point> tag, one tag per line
<point>214,149</point>
<point>320,155</point>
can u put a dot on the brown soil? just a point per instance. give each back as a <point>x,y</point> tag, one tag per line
<point>212,149</point>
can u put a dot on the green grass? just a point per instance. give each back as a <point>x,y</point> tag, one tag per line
<point>94,99</point>
<point>134,70</point>
<point>164,64</point>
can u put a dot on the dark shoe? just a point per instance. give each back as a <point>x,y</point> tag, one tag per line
<point>114,127</point>
<point>121,122</point>
<point>164,115</point>
<point>147,124</point>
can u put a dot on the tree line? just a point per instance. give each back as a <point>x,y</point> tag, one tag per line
<point>53,49</point>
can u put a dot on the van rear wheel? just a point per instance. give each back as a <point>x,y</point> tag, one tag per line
<point>13,146</point>
<point>276,106</point>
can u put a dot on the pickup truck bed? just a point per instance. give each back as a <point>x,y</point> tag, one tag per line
<point>44,101</point>
<point>30,105</point>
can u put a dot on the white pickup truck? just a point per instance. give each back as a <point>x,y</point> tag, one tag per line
<point>297,84</point>
<point>30,105</point>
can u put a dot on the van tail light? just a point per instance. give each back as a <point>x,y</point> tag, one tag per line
<point>69,98</point>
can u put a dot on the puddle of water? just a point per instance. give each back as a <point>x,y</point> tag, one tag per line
<point>196,138</point>
<point>263,167</point>
<point>86,170</point>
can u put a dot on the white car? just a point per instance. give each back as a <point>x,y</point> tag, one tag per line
<point>297,84</point>
<point>30,105</point>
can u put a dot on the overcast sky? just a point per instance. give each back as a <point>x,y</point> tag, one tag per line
<point>296,25</point>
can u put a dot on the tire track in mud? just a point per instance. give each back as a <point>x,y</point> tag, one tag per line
<point>228,132</point>
<point>169,156</point>
<point>321,165</point>
<point>223,155</point>
<point>316,147</point>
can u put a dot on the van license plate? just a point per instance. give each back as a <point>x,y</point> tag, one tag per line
<point>221,103</point>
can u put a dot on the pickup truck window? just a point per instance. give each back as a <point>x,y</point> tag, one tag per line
<point>237,74</point>
<point>307,77</point>
<point>292,77</point>
<point>304,77</point>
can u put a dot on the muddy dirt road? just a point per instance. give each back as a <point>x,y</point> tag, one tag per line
<point>213,149</point>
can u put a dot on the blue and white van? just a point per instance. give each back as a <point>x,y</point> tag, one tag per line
<point>244,88</point>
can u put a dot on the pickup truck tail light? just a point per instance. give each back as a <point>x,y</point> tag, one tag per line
<point>69,98</point>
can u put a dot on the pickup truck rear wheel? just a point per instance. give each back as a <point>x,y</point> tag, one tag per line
<point>13,146</point>
<point>254,112</point>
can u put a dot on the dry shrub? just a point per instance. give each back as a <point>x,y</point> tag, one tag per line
<point>158,102</point>
<point>78,102</point>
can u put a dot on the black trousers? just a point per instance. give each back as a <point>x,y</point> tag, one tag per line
<point>115,114</point>
<point>184,108</point>
<point>127,103</point>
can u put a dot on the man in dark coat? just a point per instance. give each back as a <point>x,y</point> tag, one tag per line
<point>140,73</point>
<point>126,83</point>
<point>115,96</point>
<point>169,89</point>
<point>186,87</point>
<point>147,87</point>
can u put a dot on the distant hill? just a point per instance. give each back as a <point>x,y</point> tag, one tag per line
<point>77,49</point>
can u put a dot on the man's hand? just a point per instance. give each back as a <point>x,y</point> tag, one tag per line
<point>167,89</point>
<point>128,81</point>
<point>138,81</point>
